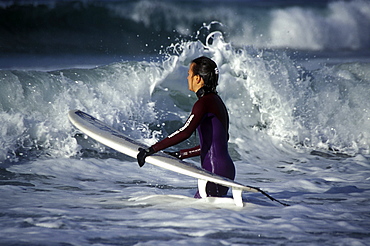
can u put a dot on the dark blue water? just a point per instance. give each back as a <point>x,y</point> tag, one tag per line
<point>115,30</point>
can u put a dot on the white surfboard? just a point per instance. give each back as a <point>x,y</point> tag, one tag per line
<point>114,139</point>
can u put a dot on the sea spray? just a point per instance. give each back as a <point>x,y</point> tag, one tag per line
<point>267,92</point>
<point>273,102</point>
<point>37,102</point>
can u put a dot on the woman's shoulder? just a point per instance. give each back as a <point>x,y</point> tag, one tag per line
<point>213,97</point>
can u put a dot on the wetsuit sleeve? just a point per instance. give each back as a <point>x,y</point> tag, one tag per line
<point>187,153</point>
<point>185,131</point>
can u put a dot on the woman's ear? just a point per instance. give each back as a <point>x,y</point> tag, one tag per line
<point>199,80</point>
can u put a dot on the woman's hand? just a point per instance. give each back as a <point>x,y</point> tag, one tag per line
<point>143,153</point>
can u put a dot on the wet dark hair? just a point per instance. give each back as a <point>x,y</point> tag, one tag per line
<point>207,69</point>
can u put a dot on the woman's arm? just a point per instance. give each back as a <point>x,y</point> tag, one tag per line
<point>185,153</point>
<point>185,131</point>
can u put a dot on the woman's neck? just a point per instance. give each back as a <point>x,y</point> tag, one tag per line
<point>204,90</point>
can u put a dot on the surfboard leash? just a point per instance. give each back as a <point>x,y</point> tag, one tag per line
<point>270,197</point>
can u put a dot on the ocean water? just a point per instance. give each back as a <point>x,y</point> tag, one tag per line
<point>294,75</point>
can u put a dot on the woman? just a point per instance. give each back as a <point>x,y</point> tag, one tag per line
<point>209,116</point>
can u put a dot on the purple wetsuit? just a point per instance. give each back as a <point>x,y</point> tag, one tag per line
<point>209,116</point>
